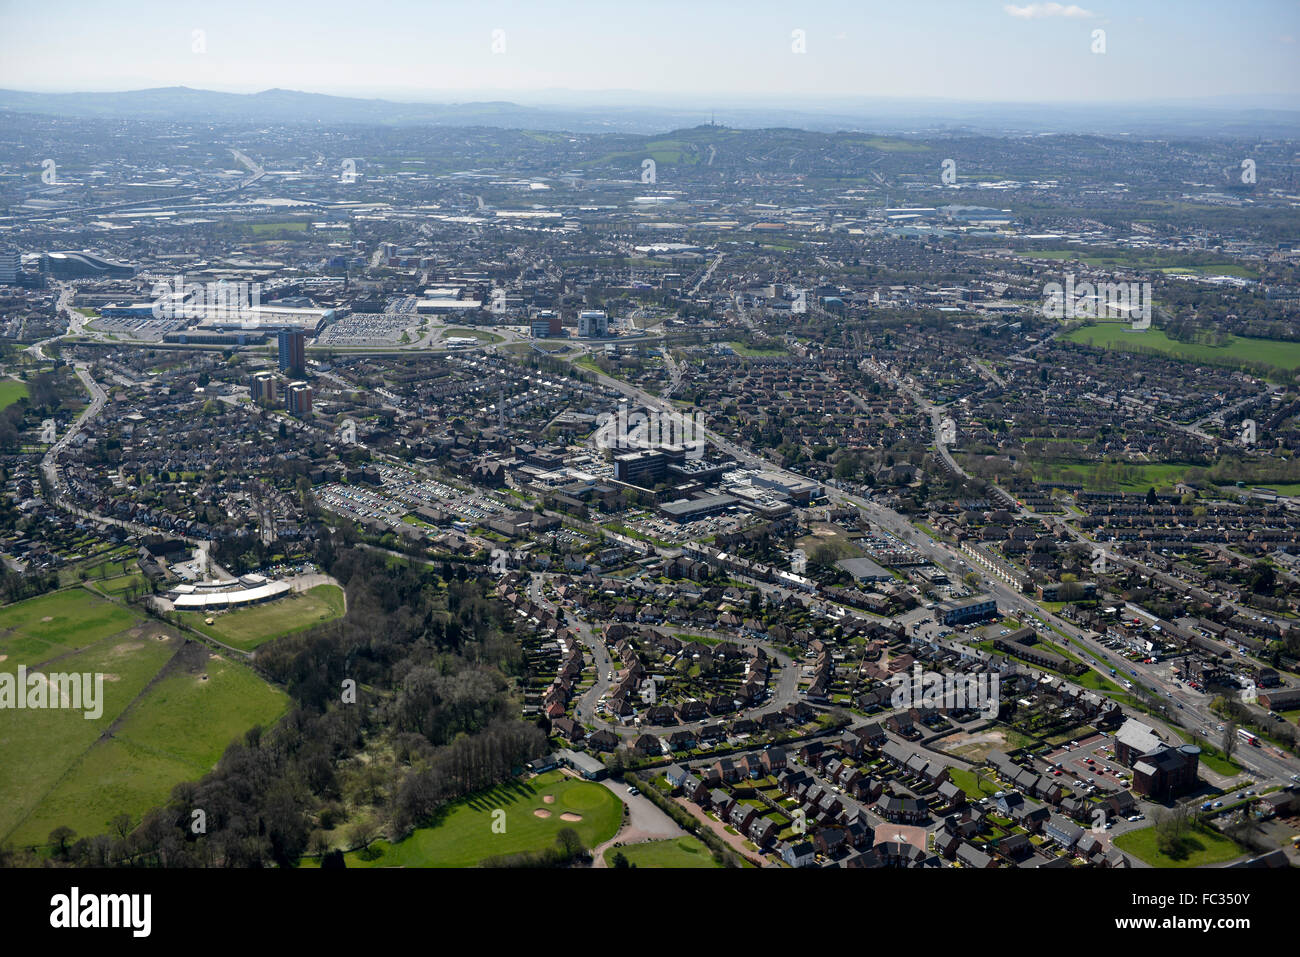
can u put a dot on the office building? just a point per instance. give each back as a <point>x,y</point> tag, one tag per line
<point>11,264</point>
<point>593,323</point>
<point>642,469</point>
<point>961,611</point>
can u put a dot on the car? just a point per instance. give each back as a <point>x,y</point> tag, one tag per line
<point>633,791</point>
<point>1134,817</point>
<point>1056,774</point>
<point>1218,804</point>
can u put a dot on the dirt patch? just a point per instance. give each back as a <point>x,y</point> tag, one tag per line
<point>112,677</point>
<point>548,798</point>
<point>48,618</point>
<point>570,816</point>
<point>3,657</point>
<point>541,812</point>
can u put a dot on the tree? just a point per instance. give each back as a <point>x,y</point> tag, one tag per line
<point>620,860</point>
<point>570,843</point>
<point>60,837</point>
<point>1229,742</point>
<point>122,825</point>
<point>1151,496</point>
<point>362,833</point>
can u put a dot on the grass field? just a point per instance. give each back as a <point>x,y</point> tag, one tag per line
<point>683,852</point>
<point>744,349</point>
<point>1139,260</point>
<point>1117,336</point>
<point>969,782</point>
<point>262,229</point>
<point>464,836</point>
<point>116,587</point>
<point>1134,476</point>
<point>59,767</point>
<point>11,391</point>
<point>175,732</point>
<point>41,628</point>
<point>480,334</point>
<point>247,628</point>
<point>1203,847</point>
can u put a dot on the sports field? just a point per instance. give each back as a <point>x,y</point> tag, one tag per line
<point>247,628</point>
<point>683,852</point>
<point>11,391</point>
<point>465,835</point>
<point>168,711</point>
<point>1118,336</point>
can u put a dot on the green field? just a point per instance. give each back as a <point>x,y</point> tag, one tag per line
<point>1138,260</point>
<point>971,783</point>
<point>479,334</point>
<point>1118,336</point>
<point>247,628</point>
<point>464,836</point>
<point>1136,476</point>
<point>116,587</point>
<point>41,628</point>
<point>684,852</point>
<point>175,732</point>
<point>1204,848</point>
<point>11,392</point>
<point>262,229</point>
<point>744,349</point>
<point>161,721</point>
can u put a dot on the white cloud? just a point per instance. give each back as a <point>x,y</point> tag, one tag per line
<point>1036,11</point>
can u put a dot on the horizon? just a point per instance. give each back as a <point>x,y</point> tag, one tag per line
<point>1151,51</point>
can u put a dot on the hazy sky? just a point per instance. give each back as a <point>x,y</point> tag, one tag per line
<point>952,49</point>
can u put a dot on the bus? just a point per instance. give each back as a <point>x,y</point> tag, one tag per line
<point>1247,737</point>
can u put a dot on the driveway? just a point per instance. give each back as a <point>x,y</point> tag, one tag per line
<point>643,822</point>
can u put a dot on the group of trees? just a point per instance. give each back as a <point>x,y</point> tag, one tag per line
<point>399,707</point>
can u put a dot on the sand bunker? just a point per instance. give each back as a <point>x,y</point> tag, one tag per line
<point>570,816</point>
<point>48,618</point>
<point>548,798</point>
<point>542,812</point>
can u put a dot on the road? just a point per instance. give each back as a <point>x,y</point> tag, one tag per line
<point>1261,762</point>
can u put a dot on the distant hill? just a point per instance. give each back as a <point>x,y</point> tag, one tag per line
<point>629,112</point>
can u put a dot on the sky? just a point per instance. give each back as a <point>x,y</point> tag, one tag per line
<point>663,51</point>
